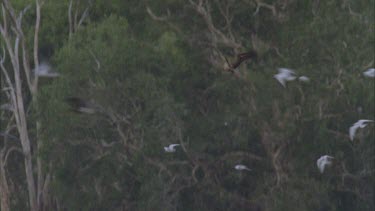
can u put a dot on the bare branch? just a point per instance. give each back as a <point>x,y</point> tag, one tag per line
<point>11,149</point>
<point>153,16</point>
<point>83,17</point>
<point>261,4</point>
<point>36,46</point>
<point>70,18</point>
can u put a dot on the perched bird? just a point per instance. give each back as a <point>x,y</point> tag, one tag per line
<point>171,148</point>
<point>324,161</point>
<point>45,70</point>
<point>240,58</point>
<point>241,167</point>
<point>360,124</point>
<point>369,73</point>
<point>80,105</point>
<point>285,75</point>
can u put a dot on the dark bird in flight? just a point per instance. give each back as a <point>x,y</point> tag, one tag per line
<point>80,105</point>
<point>241,58</point>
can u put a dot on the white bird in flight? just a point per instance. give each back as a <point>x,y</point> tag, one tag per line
<point>286,75</point>
<point>304,78</point>
<point>324,161</point>
<point>171,148</point>
<point>360,124</point>
<point>241,167</point>
<point>45,70</point>
<point>369,73</point>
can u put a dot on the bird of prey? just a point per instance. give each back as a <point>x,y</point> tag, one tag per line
<point>80,105</point>
<point>323,162</point>
<point>241,167</point>
<point>171,148</point>
<point>45,70</point>
<point>240,58</point>
<point>369,73</point>
<point>360,124</point>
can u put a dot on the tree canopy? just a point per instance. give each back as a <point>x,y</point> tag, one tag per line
<point>147,74</point>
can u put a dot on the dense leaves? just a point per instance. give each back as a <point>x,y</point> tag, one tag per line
<point>149,69</point>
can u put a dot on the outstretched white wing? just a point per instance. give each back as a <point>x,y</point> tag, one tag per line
<point>370,73</point>
<point>352,131</point>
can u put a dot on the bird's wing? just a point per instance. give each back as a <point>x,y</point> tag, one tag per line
<point>318,162</point>
<point>173,145</point>
<point>370,72</point>
<point>304,78</point>
<point>286,71</point>
<point>243,57</point>
<point>280,79</point>
<point>321,167</point>
<point>352,131</point>
<point>239,167</point>
<point>363,122</point>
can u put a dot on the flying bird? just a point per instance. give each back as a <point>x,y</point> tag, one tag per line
<point>45,70</point>
<point>304,78</point>
<point>370,73</point>
<point>171,148</point>
<point>240,58</point>
<point>360,124</point>
<point>285,75</point>
<point>241,167</point>
<point>323,162</point>
<point>80,105</point>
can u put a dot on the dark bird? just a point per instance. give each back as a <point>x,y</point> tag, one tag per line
<point>80,105</point>
<point>241,58</point>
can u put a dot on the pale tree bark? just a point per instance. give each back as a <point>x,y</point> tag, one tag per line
<point>15,42</point>
<point>73,14</point>
<point>5,151</point>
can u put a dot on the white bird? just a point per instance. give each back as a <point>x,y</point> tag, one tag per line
<point>285,75</point>
<point>369,73</point>
<point>241,167</point>
<point>360,124</point>
<point>171,148</point>
<point>45,70</point>
<point>304,78</point>
<point>324,161</point>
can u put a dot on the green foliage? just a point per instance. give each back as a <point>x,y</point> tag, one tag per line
<point>153,85</point>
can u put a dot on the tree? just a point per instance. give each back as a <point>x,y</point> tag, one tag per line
<point>21,82</point>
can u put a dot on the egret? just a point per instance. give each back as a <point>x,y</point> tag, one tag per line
<point>360,124</point>
<point>324,161</point>
<point>369,73</point>
<point>285,75</point>
<point>241,167</point>
<point>171,148</point>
